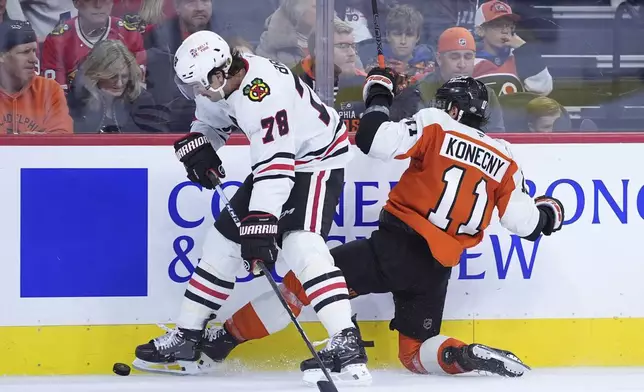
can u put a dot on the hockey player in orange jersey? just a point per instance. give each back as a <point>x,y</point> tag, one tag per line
<point>443,203</point>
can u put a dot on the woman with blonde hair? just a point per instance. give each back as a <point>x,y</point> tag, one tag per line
<point>107,95</point>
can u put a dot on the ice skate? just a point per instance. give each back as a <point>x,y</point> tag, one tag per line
<point>176,352</point>
<point>217,343</point>
<point>344,357</point>
<point>484,359</point>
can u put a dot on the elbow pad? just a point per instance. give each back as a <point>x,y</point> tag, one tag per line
<point>544,220</point>
<point>369,124</point>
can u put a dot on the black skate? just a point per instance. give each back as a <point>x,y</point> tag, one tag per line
<point>176,352</point>
<point>484,359</point>
<point>345,358</point>
<point>217,343</point>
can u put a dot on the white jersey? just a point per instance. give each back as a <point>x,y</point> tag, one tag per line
<point>289,128</point>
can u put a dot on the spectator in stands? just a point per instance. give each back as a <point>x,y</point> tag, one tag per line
<point>542,113</point>
<point>145,14</point>
<point>191,16</point>
<point>349,77</point>
<point>161,44</point>
<point>504,61</point>
<point>29,104</point>
<point>344,52</point>
<point>401,48</point>
<point>69,43</point>
<point>287,32</point>
<point>108,96</point>
<point>455,57</point>
<point>44,15</point>
<point>442,14</point>
<point>358,14</point>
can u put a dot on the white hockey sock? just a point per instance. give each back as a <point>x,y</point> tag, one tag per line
<point>327,291</point>
<point>309,258</point>
<point>212,282</point>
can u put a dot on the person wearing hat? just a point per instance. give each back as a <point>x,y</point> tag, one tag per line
<point>29,104</point>
<point>456,52</point>
<point>505,61</point>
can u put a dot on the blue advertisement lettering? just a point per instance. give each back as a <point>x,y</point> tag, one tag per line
<point>613,200</point>
<point>338,218</point>
<point>361,203</point>
<point>502,266</point>
<point>182,257</point>
<point>502,262</point>
<point>463,272</point>
<point>621,213</point>
<point>640,202</point>
<point>173,209</point>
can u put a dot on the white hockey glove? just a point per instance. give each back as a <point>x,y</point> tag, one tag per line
<point>555,211</point>
<point>379,82</point>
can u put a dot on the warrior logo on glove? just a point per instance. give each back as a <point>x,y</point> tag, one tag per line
<point>191,145</point>
<point>199,157</point>
<point>267,228</point>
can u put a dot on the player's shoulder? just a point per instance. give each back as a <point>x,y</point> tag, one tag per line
<point>262,81</point>
<point>444,123</point>
<point>431,116</point>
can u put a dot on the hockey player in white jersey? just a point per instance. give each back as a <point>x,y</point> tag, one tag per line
<point>299,148</point>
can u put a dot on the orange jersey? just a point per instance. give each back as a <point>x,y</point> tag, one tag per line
<point>456,177</point>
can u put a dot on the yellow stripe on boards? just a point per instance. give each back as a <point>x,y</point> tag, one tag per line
<point>65,350</point>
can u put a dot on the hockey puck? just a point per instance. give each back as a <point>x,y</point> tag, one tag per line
<point>121,369</point>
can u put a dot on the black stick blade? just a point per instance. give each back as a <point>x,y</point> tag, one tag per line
<point>326,386</point>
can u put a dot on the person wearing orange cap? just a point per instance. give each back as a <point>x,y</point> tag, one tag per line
<point>505,61</point>
<point>456,52</point>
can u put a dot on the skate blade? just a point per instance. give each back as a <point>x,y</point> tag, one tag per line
<point>511,365</point>
<point>181,368</point>
<point>351,375</point>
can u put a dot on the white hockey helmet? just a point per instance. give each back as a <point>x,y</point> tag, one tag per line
<point>197,56</point>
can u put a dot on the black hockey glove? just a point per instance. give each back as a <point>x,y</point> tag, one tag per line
<point>197,155</point>
<point>554,210</point>
<point>258,234</point>
<point>379,82</point>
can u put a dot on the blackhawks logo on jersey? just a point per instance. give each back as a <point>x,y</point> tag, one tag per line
<point>257,90</point>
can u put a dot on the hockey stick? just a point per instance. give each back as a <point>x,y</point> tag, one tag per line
<point>323,386</point>
<point>376,28</point>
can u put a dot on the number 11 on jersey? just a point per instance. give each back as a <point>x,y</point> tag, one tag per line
<point>441,215</point>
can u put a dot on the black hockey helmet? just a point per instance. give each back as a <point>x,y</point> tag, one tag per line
<point>467,93</point>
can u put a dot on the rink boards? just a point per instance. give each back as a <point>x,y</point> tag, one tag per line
<point>99,240</point>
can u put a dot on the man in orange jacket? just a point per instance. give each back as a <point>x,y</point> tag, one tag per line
<point>29,104</point>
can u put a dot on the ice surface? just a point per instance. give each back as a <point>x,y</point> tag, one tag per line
<point>542,380</point>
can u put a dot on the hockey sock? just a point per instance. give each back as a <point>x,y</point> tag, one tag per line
<point>327,292</point>
<point>203,297</point>
<point>437,354</point>
<point>212,282</point>
<point>310,260</point>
